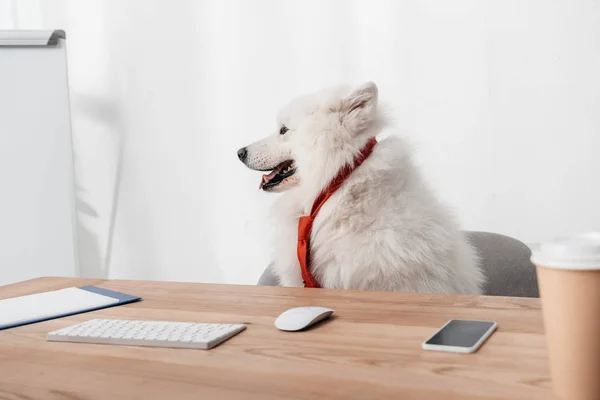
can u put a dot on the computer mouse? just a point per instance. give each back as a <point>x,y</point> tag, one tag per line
<point>298,318</point>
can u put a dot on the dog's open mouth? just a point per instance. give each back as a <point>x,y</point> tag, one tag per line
<point>278,175</point>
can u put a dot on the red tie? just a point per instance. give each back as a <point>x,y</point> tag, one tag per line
<point>305,223</point>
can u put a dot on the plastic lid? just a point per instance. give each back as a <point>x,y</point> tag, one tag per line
<point>573,252</point>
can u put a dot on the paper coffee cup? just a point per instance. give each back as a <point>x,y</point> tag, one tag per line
<point>568,271</point>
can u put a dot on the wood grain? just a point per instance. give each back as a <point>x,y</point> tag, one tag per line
<point>370,350</point>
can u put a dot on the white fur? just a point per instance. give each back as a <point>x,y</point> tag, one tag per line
<point>383,229</point>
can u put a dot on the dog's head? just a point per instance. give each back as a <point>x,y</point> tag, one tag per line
<point>316,135</point>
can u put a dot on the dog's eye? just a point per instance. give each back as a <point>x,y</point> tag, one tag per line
<point>283,130</point>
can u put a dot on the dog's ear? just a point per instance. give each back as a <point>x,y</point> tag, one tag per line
<point>359,108</point>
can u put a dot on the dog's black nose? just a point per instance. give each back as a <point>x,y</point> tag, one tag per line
<point>242,154</point>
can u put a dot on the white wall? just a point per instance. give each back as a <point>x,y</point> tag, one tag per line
<point>500,99</point>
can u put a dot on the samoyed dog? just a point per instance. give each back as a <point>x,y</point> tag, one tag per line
<point>383,228</point>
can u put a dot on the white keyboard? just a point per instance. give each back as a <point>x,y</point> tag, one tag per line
<point>147,333</point>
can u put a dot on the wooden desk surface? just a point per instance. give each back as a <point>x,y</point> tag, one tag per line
<point>370,350</point>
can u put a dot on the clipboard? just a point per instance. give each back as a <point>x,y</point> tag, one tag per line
<point>39,307</point>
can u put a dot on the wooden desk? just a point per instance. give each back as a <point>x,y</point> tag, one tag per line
<point>370,350</point>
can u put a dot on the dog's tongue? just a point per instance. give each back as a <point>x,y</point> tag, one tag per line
<point>267,178</point>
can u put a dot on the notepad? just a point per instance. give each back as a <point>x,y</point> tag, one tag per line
<point>38,307</point>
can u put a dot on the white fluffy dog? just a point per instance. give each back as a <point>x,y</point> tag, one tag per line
<point>383,229</point>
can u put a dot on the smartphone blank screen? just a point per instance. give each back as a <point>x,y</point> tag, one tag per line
<point>460,333</point>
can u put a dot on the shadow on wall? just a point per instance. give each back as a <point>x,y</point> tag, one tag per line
<point>93,261</point>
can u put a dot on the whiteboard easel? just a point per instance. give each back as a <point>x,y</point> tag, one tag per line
<point>37,208</point>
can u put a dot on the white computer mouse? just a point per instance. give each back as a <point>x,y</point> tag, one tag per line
<point>298,318</point>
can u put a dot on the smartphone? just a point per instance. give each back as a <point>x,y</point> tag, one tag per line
<point>460,336</point>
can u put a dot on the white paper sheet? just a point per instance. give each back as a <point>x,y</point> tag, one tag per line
<point>39,306</point>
